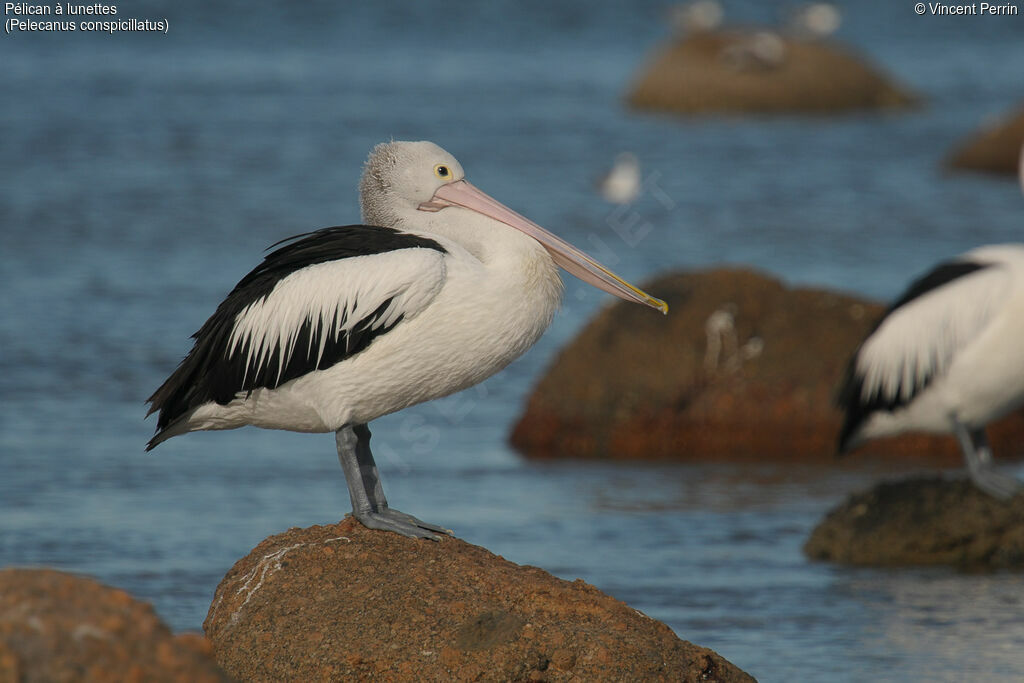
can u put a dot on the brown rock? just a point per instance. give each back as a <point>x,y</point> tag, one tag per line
<point>708,73</point>
<point>59,627</point>
<point>342,602</point>
<point>923,522</point>
<point>993,149</point>
<point>637,385</point>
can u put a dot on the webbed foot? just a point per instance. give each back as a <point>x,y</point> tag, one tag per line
<point>390,519</point>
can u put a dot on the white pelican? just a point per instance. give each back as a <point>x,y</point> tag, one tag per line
<point>442,288</point>
<point>621,185</point>
<point>945,358</point>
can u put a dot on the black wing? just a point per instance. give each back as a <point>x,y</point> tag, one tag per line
<point>208,373</point>
<point>850,397</point>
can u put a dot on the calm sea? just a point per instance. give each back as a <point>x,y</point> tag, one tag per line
<point>143,175</point>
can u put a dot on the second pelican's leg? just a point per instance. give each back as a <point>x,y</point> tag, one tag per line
<point>978,456</point>
<point>369,505</point>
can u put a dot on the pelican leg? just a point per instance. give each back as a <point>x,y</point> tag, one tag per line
<point>978,457</point>
<point>369,505</point>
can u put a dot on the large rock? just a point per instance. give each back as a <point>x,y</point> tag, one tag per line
<point>995,148</point>
<point>59,627</point>
<point>742,368</point>
<point>342,602</point>
<point>923,522</point>
<point>752,71</point>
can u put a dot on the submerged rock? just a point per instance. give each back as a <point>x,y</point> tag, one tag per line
<point>743,368</point>
<point>344,602</point>
<point>923,522</point>
<point>752,71</point>
<point>995,148</point>
<point>59,627</point>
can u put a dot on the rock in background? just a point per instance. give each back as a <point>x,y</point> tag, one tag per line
<point>743,368</point>
<point>923,522</point>
<point>343,602</point>
<point>59,627</point>
<point>995,148</point>
<point>761,71</point>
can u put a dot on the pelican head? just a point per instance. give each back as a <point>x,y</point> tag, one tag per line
<point>401,178</point>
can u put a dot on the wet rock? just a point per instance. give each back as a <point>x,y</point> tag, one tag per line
<point>923,522</point>
<point>341,602</point>
<point>993,149</point>
<point>761,71</point>
<point>59,627</point>
<point>743,368</point>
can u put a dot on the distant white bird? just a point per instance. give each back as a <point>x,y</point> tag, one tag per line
<point>720,328</point>
<point>947,357</point>
<point>621,185</point>
<point>815,20</point>
<point>444,287</point>
<point>752,348</point>
<point>758,51</point>
<point>696,17</point>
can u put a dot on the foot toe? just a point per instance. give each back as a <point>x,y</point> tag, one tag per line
<point>397,515</point>
<point>998,485</point>
<point>400,523</point>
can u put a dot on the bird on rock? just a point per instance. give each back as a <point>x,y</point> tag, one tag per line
<point>439,288</point>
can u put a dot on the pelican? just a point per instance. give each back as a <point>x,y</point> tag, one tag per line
<point>945,358</point>
<point>440,288</point>
<point>621,184</point>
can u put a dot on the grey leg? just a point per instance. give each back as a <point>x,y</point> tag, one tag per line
<point>369,505</point>
<point>978,457</point>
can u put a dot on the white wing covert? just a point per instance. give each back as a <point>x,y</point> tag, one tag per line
<point>917,340</point>
<point>322,313</point>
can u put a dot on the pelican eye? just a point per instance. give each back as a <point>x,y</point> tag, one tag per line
<point>442,172</point>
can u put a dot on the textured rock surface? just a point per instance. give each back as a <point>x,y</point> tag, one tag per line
<point>59,627</point>
<point>343,602</point>
<point>923,522</point>
<point>706,73</point>
<point>742,368</point>
<point>993,149</point>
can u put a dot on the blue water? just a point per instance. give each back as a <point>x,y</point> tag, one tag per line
<point>144,174</point>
